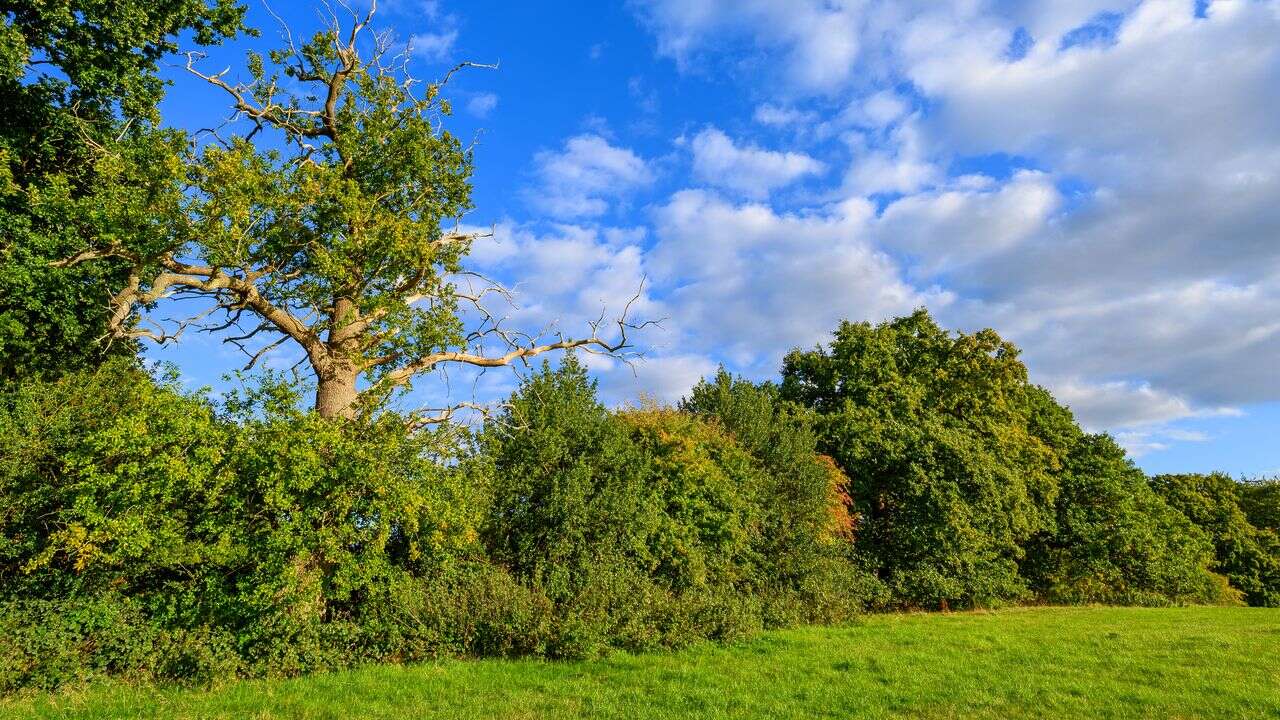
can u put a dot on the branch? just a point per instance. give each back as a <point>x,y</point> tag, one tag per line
<point>418,420</point>
<point>595,343</point>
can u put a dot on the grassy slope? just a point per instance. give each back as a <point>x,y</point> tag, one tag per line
<point>1063,663</point>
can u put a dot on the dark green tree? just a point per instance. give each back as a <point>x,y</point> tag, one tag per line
<point>568,490</point>
<point>1115,540</point>
<point>1248,556</point>
<point>946,472</point>
<point>1260,501</point>
<point>81,161</point>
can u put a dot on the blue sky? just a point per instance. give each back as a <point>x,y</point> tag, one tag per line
<point>1094,179</point>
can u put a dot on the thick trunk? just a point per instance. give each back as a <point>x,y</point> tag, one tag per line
<point>336,394</point>
<point>336,381</point>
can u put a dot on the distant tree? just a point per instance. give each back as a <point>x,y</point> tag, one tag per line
<point>1260,501</point>
<point>1115,540</point>
<point>946,473</point>
<point>317,220</point>
<point>81,161</point>
<point>1248,556</point>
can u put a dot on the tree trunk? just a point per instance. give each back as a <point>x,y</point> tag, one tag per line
<point>336,380</point>
<point>336,393</point>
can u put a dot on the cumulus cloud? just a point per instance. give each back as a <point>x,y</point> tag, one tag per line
<point>821,39</point>
<point>564,279</point>
<point>433,45</point>
<point>580,179</point>
<point>747,169</point>
<point>1137,262</point>
<point>780,116</point>
<point>746,283</point>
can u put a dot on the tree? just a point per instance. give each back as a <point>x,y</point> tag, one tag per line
<point>805,501</point>
<point>317,220</point>
<point>1260,501</point>
<point>1115,540</point>
<point>1248,556</point>
<point>79,155</point>
<point>934,431</point>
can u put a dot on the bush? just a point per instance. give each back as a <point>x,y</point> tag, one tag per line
<point>808,560</point>
<point>272,530</point>
<point>654,528</point>
<point>52,643</point>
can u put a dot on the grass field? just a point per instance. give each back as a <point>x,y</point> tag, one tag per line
<point>1026,663</point>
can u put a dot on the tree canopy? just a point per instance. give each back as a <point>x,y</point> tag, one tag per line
<point>932,429</point>
<point>81,158</point>
<point>319,219</point>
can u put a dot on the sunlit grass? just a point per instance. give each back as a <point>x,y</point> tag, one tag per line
<point>1026,663</point>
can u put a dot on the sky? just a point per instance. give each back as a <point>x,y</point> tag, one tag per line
<point>1096,180</point>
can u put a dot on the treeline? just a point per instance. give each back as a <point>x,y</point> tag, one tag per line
<point>149,533</point>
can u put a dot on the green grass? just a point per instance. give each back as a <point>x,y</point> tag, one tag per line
<point>1025,663</point>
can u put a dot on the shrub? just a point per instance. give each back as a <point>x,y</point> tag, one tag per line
<point>273,531</point>
<point>805,547</point>
<point>49,643</point>
<point>653,527</point>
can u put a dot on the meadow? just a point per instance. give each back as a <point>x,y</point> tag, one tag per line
<point>1089,662</point>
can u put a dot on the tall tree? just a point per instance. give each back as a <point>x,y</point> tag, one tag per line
<point>318,220</point>
<point>945,469</point>
<point>79,155</point>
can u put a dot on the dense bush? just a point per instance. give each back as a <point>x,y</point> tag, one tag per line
<point>653,527</point>
<point>272,528</point>
<point>1248,556</point>
<point>806,542</point>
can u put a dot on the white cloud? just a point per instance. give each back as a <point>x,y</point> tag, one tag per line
<point>1139,260</point>
<point>482,104</point>
<point>433,45</point>
<point>582,178</point>
<point>821,39</point>
<point>747,169</point>
<point>779,116</point>
<point>747,284</point>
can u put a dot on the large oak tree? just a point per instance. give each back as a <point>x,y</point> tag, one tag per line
<point>326,216</point>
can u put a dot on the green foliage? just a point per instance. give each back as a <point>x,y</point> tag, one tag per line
<point>805,544</point>
<point>1115,540</point>
<point>946,473</point>
<point>652,527</point>
<point>1260,501</point>
<point>268,526</point>
<point>567,485</point>
<point>630,526</point>
<point>1248,556</point>
<point>81,162</point>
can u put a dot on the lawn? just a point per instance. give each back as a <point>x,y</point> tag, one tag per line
<point>1023,663</point>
